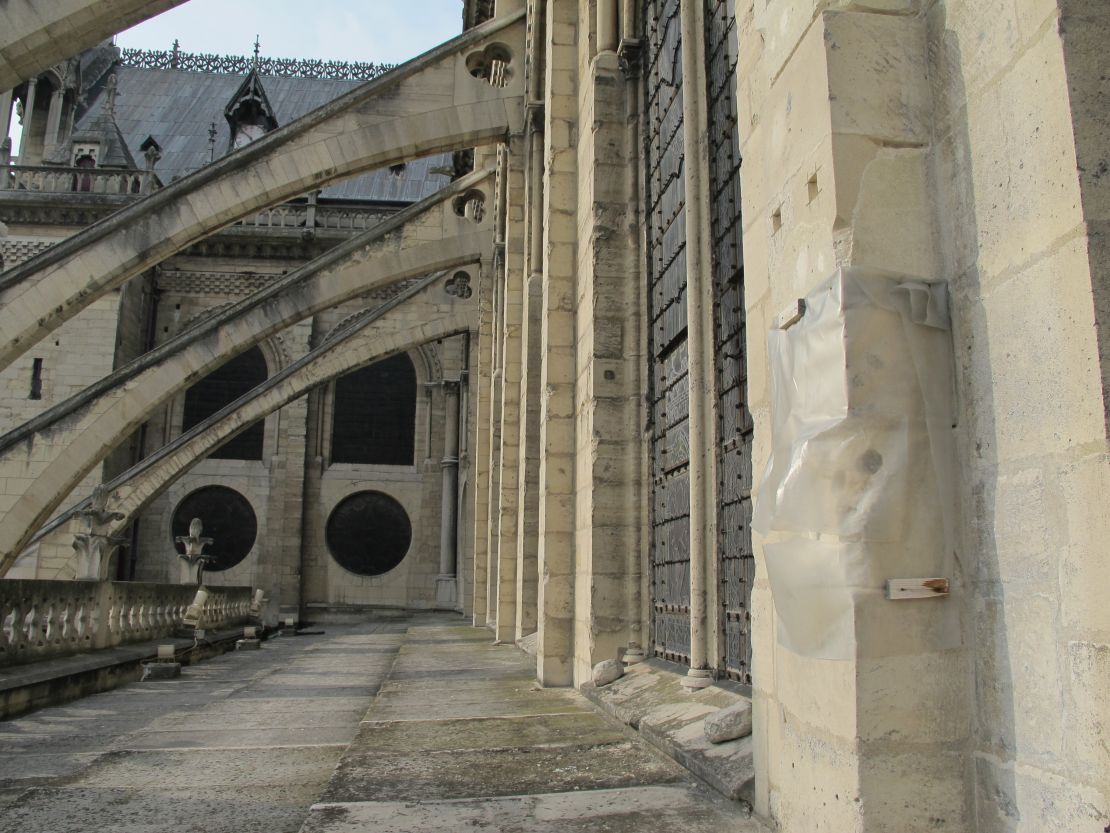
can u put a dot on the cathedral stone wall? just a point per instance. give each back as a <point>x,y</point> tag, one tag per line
<point>971,178</point>
<point>1018,236</point>
<point>948,141</point>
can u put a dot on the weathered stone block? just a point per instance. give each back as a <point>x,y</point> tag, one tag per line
<point>729,723</point>
<point>161,670</point>
<point>606,672</point>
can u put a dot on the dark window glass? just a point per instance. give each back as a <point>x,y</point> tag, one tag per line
<point>220,388</point>
<point>36,380</point>
<point>375,414</point>
<point>369,533</point>
<point>228,520</point>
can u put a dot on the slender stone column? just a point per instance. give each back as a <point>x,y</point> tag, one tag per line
<point>699,378</point>
<point>446,581</point>
<point>528,508</point>
<point>512,173</point>
<point>606,25</point>
<point>28,119</point>
<point>53,122</point>
<point>628,20</point>
<point>5,114</point>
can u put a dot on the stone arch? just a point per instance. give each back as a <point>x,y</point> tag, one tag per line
<point>446,109</point>
<point>58,30</point>
<point>102,422</point>
<point>382,335</point>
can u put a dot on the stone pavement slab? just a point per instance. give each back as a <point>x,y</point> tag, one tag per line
<point>243,743</point>
<point>446,732</point>
<point>460,737</point>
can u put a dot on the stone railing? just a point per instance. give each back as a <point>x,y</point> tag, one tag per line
<point>240,65</point>
<point>45,619</point>
<point>326,218</point>
<point>46,179</point>
<point>332,218</point>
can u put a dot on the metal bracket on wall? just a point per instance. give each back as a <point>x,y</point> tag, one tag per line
<point>916,588</point>
<point>791,315</point>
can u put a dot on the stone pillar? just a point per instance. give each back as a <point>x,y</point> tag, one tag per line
<point>699,332</point>
<point>555,598</point>
<point>28,121</point>
<point>512,172</point>
<point>446,581</point>
<point>607,26</point>
<point>481,443</point>
<point>53,122</point>
<point>528,475</point>
<point>494,430</point>
<point>6,101</point>
<point>836,174</point>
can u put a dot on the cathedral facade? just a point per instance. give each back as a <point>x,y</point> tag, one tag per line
<point>763,340</point>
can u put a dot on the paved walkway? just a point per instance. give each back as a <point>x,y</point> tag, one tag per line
<point>454,736</point>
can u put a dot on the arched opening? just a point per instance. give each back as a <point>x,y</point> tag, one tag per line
<point>220,388</point>
<point>374,419</point>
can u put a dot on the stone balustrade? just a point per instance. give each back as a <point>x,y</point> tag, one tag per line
<point>46,179</point>
<point>328,218</point>
<point>45,619</point>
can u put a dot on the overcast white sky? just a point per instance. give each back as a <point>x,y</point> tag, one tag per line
<point>384,31</point>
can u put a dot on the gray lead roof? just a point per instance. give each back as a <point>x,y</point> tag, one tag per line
<point>177,107</point>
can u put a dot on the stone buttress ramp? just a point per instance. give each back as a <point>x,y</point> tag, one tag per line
<point>465,93</point>
<point>52,453</point>
<point>373,335</point>
<point>35,36</point>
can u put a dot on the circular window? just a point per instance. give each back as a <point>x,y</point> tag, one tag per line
<point>369,533</point>
<point>228,520</point>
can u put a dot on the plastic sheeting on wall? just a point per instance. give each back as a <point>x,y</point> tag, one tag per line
<point>860,484</point>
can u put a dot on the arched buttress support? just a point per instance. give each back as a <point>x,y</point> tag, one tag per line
<point>55,456</point>
<point>446,99</point>
<point>38,35</point>
<point>375,335</point>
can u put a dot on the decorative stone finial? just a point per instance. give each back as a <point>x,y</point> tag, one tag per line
<point>212,142</point>
<point>257,51</point>
<point>194,559</point>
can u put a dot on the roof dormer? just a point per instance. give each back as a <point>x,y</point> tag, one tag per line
<point>248,113</point>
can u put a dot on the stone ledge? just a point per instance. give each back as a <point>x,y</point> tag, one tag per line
<point>653,701</point>
<point>33,685</point>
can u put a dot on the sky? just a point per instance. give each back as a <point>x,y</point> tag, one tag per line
<point>383,31</point>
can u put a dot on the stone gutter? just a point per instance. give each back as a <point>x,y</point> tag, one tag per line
<point>652,701</point>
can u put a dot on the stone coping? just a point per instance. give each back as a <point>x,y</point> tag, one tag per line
<point>652,701</point>
<point>49,682</point>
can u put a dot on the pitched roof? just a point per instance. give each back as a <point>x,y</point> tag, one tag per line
<point>178,107</point>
